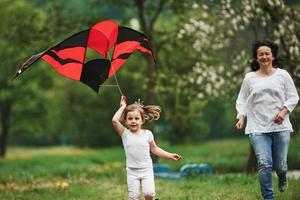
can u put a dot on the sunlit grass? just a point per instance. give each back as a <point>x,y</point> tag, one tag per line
<point>26,153</point>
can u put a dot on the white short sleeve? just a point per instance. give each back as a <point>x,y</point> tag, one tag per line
<point>150,136</point>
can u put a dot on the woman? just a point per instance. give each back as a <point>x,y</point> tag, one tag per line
<point>267,97</point>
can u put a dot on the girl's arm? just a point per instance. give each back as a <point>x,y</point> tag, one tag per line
<point>162,153</point>
<point>116,118</point>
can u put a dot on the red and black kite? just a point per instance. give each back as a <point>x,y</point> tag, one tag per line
<point>69,56</point>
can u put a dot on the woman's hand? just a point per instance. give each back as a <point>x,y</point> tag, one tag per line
<point>240,124</point>
<point>280,116</point>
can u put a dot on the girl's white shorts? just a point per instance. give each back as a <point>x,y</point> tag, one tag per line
<point>140,179</point>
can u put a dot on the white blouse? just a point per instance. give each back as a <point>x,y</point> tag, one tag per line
<point>261,98</point>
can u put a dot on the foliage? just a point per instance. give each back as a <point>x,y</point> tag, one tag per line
<point>201,51</point>
<point>20,34</point>
<point>231,22</point>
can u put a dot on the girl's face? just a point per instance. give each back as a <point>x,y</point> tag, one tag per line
<point>264,56</point>
<point>134,121</point>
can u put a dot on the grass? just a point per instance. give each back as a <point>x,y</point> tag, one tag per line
<point>72,173</point>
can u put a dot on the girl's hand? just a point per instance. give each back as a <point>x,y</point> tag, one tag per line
<point>280,116</point>
<point>123,101</point>
<point>240,124</point>
<point>175,156</point>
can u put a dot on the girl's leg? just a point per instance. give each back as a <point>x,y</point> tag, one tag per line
<point>148,185</point>
<point>133,184</point>
<point>280,150</point>
<point>262,145</point>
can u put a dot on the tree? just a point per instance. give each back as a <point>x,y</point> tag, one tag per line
<point>147,22</point>
<point>19,37</point>
<point>189,78</point>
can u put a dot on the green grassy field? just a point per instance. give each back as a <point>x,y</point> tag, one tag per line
<point>72,173</point>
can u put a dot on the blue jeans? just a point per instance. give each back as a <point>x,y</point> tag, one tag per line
<point>271,151</point>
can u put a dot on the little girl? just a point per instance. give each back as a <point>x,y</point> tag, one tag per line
<point>137,143</point>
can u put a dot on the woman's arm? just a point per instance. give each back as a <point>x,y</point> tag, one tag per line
<point>162,153</point>
<point>291,94</point>
<point>280,116</point>
<point>241,99</point>
<point>291,101</point>
<point>241,104</point>
<point>116,118</point>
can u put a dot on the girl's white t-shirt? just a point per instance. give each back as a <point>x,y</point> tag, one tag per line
<point>137,148</point>
<point>261,98</point>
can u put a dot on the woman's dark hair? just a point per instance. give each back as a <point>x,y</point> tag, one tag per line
<point>274,49</point>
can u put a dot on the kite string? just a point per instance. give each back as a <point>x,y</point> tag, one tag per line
<point>115,75</point>
<point>108,85</point>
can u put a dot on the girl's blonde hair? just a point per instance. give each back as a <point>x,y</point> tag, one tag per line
<point>148,113</point>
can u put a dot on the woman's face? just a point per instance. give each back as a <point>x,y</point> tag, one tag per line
<point>134,120</point>
<point>264,56</point>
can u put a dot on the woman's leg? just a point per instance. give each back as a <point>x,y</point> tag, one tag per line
<point>280,150</point>
<point>262,145</point>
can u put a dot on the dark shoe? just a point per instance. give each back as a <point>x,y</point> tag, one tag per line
<point>282,183</point>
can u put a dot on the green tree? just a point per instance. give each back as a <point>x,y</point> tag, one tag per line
<point>20,27</point>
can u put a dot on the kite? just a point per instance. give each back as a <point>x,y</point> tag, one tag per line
<point>69,56</point>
